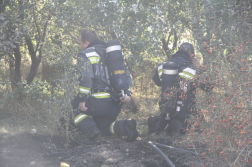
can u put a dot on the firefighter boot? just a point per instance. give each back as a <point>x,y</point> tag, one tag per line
<point>176,127</point>
<point>126,128</point>
<point>156,124</point>
<point>87,126</point>
<point>152,122</point>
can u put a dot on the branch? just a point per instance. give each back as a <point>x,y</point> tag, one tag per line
<point>168,40</point>
<point>113,35</point>
<point>235,97</point>
<point>43,37</point>
<point>73,37</point>
<point>45,26</point>
<point>165,46</point>
<point>250,29</point>
<point>30,48</point>
<point>21,9</point>
<point>239,155</point>
<point>175,40</point>
<point>231,90</point>
<point>38,30</point>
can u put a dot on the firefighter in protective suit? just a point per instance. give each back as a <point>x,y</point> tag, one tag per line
<point>95,111</point>
<point>178,79</point>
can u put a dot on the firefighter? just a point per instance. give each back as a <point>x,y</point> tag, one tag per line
<point>177,77</point>
<point>95,111</point>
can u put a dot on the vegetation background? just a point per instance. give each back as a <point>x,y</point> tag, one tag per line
<point>39,45</point>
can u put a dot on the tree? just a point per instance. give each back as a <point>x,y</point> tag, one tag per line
<point>24,25</point>
<point>143,27</point>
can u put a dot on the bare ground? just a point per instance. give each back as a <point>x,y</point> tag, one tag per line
<point>25,150</point>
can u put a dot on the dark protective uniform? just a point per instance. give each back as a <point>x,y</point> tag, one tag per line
<point>178,79</point>
<point>93,90</point>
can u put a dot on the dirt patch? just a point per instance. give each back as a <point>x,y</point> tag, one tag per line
<point>21,151</point>
<point>24,150</point>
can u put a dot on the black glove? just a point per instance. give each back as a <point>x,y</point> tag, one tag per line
<point>206,86</point>
<point>129,93</point>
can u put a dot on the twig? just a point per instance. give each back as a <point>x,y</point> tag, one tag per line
<point>239,155</point>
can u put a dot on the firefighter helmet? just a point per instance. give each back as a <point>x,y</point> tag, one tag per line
<point>186,46</point>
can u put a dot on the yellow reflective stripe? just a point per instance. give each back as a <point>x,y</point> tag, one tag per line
<point>190,70</point>
<point>79,118</point>
<point>101,95</point>
<point>160,69</point>
<point>112,128</point>
<point>94,60</point>
<point>186,75</point>
<point>84,89</point>
<point>160,73</point>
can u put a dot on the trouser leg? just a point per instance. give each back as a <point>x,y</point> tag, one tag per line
<point>105,112</point>
<point>86,125</point>
<point>84,122</point>
<point>108,126</point>
<point>104,123</point>
<point>176,126</point>
<point>125,128</point>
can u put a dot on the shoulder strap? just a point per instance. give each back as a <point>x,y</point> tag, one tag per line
<point>104,68</point>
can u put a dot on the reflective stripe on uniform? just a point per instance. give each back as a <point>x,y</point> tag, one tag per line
<point>90,48</point>
<point>186,75</point>
<point>94,59</point>
<point>189,70</point>
<point>160,68</point>
<point>112,128</point>
<point>101,95</point>
<point>84,89</point>
<point>179,102</point>
<point>170,72</point>
<point>79,118</point>
<point>113,48</point>
<point>92,54</point>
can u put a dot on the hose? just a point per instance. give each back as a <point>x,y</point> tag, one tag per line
<point>177,149</point>
<point>167,160</point>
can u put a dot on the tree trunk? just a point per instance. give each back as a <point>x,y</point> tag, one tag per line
<point>33,71</point>
<point>35,61</point>
<point>17,73</point>
<point>11,68</point>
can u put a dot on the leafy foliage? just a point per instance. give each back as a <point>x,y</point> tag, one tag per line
<point>222,31</point>
<point>47,31</point>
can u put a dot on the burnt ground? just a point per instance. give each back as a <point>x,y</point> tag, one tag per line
<point>25,150</point>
